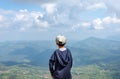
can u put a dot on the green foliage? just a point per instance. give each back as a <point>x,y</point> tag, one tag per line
<point>114,69</point>
<point>24,72</point>
<point>90,72</point>
<point>81,72</point>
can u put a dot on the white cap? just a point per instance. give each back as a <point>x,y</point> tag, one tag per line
<point>61,39</point>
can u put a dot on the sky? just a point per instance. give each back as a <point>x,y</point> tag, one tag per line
<point>45,19</point>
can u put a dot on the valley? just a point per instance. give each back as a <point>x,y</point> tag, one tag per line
<point>93,58</point>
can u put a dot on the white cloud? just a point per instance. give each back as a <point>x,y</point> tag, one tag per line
<point>97,6</point>
<point>97,23</point>
<point>76,16</point>
<point>116,20</point>
<point>21,17</point>
<point>41,24</point>
<point>109,20</point>
<point>82,25</point>
<point>1,18</point>
<point>5,12</point>
<point>68,12</point>
<point>22,20</point>
<point>50,8</point>
<point>74,27</point>
<point>4,22</point>
<point>34,1</point>
<point>113,6</point>
<point>22,29</point>
<point>86,24</point>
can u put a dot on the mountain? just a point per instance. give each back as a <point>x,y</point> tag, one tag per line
<point>88,51</point>
<point>114,37</point>
<point>23,51</point>
<point>93,42</point>
<point>95,50</point>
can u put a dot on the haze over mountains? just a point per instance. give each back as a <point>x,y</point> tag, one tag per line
<point>114,37</point>
<point>85,52</point>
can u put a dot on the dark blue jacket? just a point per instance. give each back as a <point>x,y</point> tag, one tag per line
<point>60,64</point>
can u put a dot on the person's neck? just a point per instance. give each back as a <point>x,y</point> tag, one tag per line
<point>61,47</point>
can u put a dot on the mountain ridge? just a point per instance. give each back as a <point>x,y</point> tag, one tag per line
<point>88,51</point>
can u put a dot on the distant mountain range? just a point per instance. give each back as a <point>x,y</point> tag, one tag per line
<point>88,51</point>
<point>114,37</point>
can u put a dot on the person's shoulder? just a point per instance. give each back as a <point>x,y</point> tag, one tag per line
<point>56,50</point>
<point>68,49</point>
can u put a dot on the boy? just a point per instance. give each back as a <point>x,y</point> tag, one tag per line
<point>60,63</point>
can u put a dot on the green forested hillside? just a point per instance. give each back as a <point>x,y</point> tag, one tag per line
<point>89,51</point>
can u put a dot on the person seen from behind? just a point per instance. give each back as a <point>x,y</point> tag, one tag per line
<point>60,63</point>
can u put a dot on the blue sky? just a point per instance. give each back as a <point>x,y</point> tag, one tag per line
<point>44,19</point>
